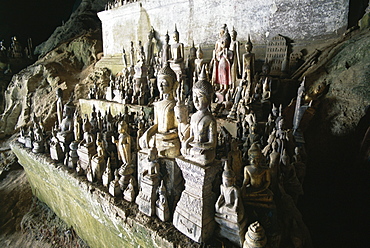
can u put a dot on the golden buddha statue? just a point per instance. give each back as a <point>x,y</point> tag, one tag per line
<point>164,130</point>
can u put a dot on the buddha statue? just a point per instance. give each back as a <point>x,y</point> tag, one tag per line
<point>126,172</point>
<point>107,175</point>
<point>177,56</point>
<point>146,200</point>
<point>98,160</point>
<point>235,160</point>
<point>56,152</point>
<point>248,64</point>
<point>182,116</point>
<point>149,48</point>
<point>132,54</point>
<point>86,148</point>
<point>222,72</point>
<point>292,185</point>
<point>129,193</point>
<point>201,145</point>
<point>257,179</point>
<point>77,123</point>
<point>65,133</point>
<point>166,50</point>
<point>198,62</point>
<point>236,67</point>
<point>164,131</point>
<point>229,209</point>
<point>162,209</point>
<point>123,143</point>
<point>114,188</point>
<point>274,165</point>
<point>38,142</point>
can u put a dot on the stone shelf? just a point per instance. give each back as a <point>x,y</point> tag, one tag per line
<point>98,218</point>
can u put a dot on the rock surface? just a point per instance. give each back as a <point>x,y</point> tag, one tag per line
<point>33,90</point>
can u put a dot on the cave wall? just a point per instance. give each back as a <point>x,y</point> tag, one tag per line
<point>200,21</point>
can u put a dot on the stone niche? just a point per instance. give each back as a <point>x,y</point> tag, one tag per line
<point>200,21</point>
<point>97,217</point>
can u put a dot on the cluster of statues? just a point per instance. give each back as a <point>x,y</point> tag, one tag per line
<point>188,169</point>
<point>16,50</point>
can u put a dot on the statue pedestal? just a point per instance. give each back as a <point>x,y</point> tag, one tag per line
<point>232,230</point>
<point>194,213</point>
<point>85,154</point>
<point>148,194</point>
<point>170,174</point>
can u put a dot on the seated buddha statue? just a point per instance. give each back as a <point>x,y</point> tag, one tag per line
<point>65,133</point>
<point>164,131</point>
<point>202,142</point>
<point>257,179</point>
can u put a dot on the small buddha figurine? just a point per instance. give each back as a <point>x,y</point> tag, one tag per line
<point>166,50</point>
<point>199,62</point>
<point>274,165</point>
<point>65,133</point>
<point>225,61</point>
<point>257,179</point>
<point>162,209</point>
<point>248,64</point>
<point>129,192</point>
<point>201,145</point>
<point>182,116</point>
<point>56,152</point>
<point>98,160</point>
<point>299,165</point>
<point>126,172</point>
<point>229,205</point>
<point>123,143</point>
<point>107,175</point>
<point>38,142</point>
<point>77,123</point>
<point>177,56</point>
<point>114,188</point>
<point>236,67</point>
<point>229,210</point>
<point>164,130</point>
<point>255,237</point>
<point>86,148</point>
<point>149,48</point>
<point>132,54</point>
<point>235,159</point>
<point>291,183</point>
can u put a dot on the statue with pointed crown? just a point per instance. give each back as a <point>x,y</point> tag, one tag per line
<point>199,62</point>
<point>257,179</point>
<point>177,56</point>
<point>201,145</point>
<point>164,130</point>
<point>229,208</point>
<point>248,65</point>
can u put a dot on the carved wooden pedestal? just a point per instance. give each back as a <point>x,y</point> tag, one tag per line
<point>194,213</point>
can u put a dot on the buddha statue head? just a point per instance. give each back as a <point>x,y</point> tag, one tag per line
<point>199,53</point>
<point>202,92</point>
<point>122,127</point>
<point>233,34</point>
<point>176,35</point>
<point>223,30</point>
<point>166,80</point>
<point>225,40</point>
<point>249,45</point>
<point>255,155</point>
<point>167,38</point>
<point>228,176</point>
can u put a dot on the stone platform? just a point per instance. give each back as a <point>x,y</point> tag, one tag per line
<point>97,217</point>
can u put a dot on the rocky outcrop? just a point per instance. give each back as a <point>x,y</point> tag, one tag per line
<point>82,20</point>
<point>33,90</point>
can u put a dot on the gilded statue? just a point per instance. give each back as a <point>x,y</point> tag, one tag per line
<point>164,131</point>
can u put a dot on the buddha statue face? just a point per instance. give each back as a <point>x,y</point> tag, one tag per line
<point>201,101</point>
<point>248,47</point>
<point>176,37</point>
<point>199,54</point>
<point>181,113</point>
<point>228,181</point>
<point>165,84</point>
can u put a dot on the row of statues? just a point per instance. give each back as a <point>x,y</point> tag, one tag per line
<point>16,50</point>
<point>180,164</point>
